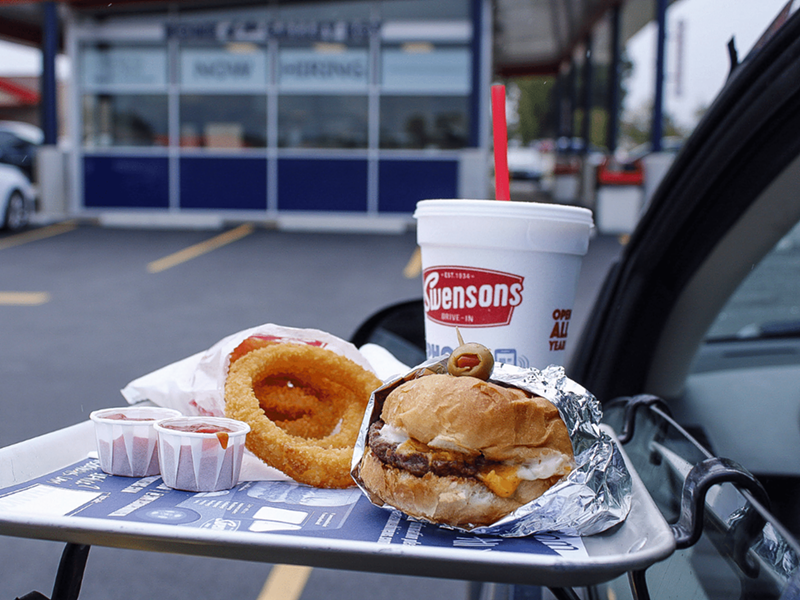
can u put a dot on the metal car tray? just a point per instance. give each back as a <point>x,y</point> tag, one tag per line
<point>51,489</point>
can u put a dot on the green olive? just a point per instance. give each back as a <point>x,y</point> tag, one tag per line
<point>471,360</point>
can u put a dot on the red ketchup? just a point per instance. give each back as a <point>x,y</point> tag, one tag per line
<point>123,417</point>
<point>219,430</point>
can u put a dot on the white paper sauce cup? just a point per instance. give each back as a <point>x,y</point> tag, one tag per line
<point>198,461</point>
<point>126,439</point>
<point>504,273</point>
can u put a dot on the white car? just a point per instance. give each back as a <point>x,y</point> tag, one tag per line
<point>525,164</point>
<point>17,198</point>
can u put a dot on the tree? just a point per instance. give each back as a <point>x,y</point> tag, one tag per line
<point>533,105</point>
<point>536,111</point>
<point>637,126</point>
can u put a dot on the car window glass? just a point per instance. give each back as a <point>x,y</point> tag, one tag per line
<point>767,303</point>
<point>743,551</point>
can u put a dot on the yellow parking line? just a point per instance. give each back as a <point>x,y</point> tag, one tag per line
<point>414,265</point>
<point>23,298</point>
<point>198,249</point>
<point>285,582</point>
<point>37,234</point>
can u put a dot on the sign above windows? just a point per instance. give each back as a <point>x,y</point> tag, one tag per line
<point>260,31</point>
<point>323,31</point>
<point>220,69</point>
<point>308,69</point>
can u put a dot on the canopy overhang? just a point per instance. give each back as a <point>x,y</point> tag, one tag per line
<point>538,37</point>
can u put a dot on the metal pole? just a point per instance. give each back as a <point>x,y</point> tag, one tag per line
<point>558,104</point>
<point>48,86</point>
<point>613,79</point>
<point>572,92</point>
<point>588,89</point>
<point>477,88</point>
<point>658,101</point>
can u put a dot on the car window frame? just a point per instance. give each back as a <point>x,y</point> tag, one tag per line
<point>745,140</point>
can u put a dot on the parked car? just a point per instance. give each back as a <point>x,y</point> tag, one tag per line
<point>627,168</point>
<point>18,146</point>
<point>525,163</point>
<point>573,153</point>
<point>699,323</point>
<point>17,198</point>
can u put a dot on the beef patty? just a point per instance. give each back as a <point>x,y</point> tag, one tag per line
<point>441,463</point>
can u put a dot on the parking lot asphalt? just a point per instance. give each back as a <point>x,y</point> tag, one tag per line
<point>85,309</point>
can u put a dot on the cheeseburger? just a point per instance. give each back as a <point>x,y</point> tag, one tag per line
<point>462,451</point>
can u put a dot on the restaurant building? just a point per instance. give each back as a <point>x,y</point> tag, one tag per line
<point>288,113</point>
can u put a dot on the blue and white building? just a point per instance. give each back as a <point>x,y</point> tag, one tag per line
<point>347,111</point>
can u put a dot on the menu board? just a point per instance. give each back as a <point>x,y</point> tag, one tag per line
<point>83,490</point>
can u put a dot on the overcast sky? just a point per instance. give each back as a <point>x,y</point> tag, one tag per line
<point>16,59</point>
<point>707,27</point>
<point>19,60</point>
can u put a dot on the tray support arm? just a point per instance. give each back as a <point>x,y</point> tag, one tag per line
<point>69,577</point>
<point>703,475</point>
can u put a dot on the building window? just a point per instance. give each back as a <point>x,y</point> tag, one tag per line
<point>223,121</point>
<point>123,65</point>
<point>330,121</point>
<point>419,122</point>
<point>322,101</point>
<point>125,120</point>
<point>425,84</point>
<point>422,67</point>
<point>125,95</point>
<point>223,101</point>
<point>390,74</point>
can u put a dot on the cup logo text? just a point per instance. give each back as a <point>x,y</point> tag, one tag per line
<point>470,297</point>
<point>558,336</point>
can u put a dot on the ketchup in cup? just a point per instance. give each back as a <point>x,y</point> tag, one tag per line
<point>203,427</point>
<point>201,454</point>
<point>126,440</point>
<point>124,417</point>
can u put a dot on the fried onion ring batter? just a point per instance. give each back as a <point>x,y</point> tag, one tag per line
<point>310,442</point>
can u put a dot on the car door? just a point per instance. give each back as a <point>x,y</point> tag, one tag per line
<point>723,219</point>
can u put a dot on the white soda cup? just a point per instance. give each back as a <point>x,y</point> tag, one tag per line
<point>504,273</point>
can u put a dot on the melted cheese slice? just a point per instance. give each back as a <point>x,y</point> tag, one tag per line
<point>503,480</point>
<point>411,446</point>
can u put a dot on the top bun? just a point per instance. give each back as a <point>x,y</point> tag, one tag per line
<point>468,415</point>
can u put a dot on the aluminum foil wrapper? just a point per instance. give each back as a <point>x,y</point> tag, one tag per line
<point>595,496</point>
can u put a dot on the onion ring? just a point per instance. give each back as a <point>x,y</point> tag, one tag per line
<point>343,389</point>
<point>298,411</point>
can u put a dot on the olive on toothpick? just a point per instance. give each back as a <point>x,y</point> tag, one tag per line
<point>470,360</point>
